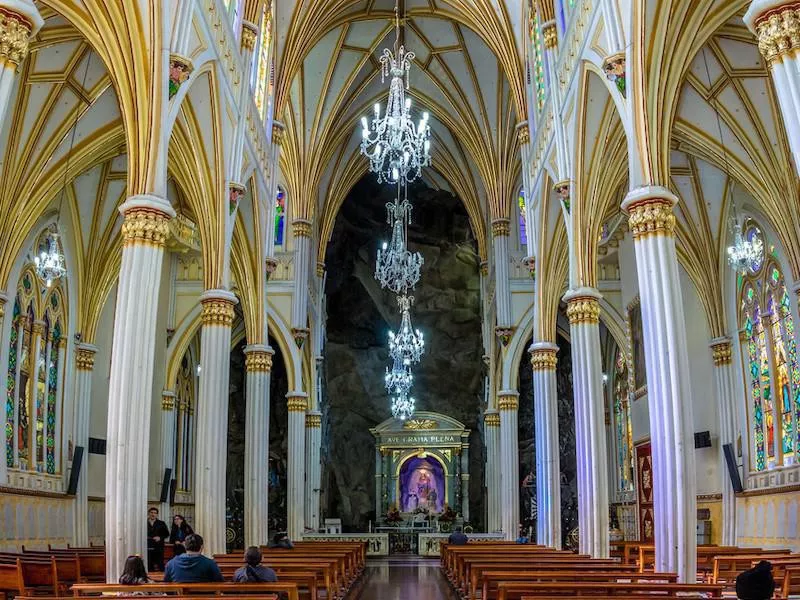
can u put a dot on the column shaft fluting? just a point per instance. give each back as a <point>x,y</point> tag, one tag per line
<point>302,261</point>
<point>313,468</point>
<point>583,312</point>
<point>548,463</point>
<point>669,394</point>
<point>500,232</point>
<point>508,405</point>
<point>258,362</point>
<point>491,423</point>
<point>212,418</point>
<point>169,427</point>
<point>144,232</point>
<point>297,403</point>
<point>721,351</point>
<point>84,367</point>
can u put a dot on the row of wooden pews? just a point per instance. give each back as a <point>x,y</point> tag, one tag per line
<point>509,571</point>
<point>50,571</point>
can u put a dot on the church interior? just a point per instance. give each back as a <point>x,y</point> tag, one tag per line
<point>305,276</point>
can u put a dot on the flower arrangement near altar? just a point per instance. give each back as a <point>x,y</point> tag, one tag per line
<point>448,515</point>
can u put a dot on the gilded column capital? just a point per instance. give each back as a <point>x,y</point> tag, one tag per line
<point>320,269</point>
<point>501,227</point>
<point>313,420</point>
<point>484,267</point>
<point>278,132</point>
<point>258,358</point>
<point>543,356</point>
<point>297,401</point>
<point>491,418</point>
<point>16,30</point>
<point>550,35</point>
<point>167,400</point>
<point>508,400</point>
<point>301,228</point>
<point>650,212</point>
<point>38,327</point>
<point>145,221</point>
<point>218,308</point>
<point>776,24</point>
<point>721,351</point>
<point>523,133</point>
<point>583,306</point>
<point>249,36</point>
<point>84,357</point>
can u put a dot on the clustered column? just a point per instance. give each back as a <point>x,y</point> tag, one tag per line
<point>583,312</point>
<point>301,228</point>
<point>144,232</point>
<point>721,352</point>
<point>548,465</point>
<point>212,418</point>
<point>777,27</point>
<point>652,224</point>
<point>169,426</point>
<point>500,232</point>
<point>508,403</point>
<point>313,467</point>
<point>84,367</point>
<point>491,425</point>
<point>297,402</point>
<point>258,363</point>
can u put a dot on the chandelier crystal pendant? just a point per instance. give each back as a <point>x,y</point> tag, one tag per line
<point>744,254</point>
<point>400,378</point>
<point>50,264</point>
<point>403,406</point>
<point>396,146</point>
<point>396,268</point>
<point>408,344</point>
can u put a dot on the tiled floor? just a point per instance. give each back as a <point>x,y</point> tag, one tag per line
<point>403,578</point>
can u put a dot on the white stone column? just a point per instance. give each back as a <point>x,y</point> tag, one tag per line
<point>583,312</point>
<point>548,463</point>
<point>669,394</point>
<point>464,480</point>
<point>3,456</point>
<point>502,291</point>
<point>491,429</point>
<point>84,366</point>
<point>169,429</point>
<point>212,418</point>
<point>776,24</point>
<point>722,353</point>
<point>508,404</point>
<point>258,362</point>
<point>144,233</point>
<point>297,403</point>
<point>19,22</point>
<point>313,468</point>
<point>301,229</point>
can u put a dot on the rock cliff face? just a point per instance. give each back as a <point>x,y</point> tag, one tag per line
<point>447,310</point>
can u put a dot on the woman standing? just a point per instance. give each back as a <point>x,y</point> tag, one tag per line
<point>180,531</point>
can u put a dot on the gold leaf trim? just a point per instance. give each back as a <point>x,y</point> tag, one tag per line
<point>722,353</point>
<point>258,361</point>
<point>146,227</point>
<point>583,309</point>
<point>84,359</point>
<point>544,359</point>
<point>217,311</point>
<point>653,216</point>
<point>15,34</point>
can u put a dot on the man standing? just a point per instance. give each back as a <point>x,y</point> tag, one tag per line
<point>157,532</point>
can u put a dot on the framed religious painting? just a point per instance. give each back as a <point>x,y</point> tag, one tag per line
<point>644,487</point>
<point>637,374</point>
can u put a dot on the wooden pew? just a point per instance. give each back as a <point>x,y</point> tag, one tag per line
<point>241,590</point>
<point>324,571</point>
<point>35,575</point>
<point>727,568</point>
<point>512,590</point>
<point>11,583</point>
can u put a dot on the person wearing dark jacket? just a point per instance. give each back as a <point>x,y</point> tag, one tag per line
<point>157,533</point>
<point>757,583</point>
<point>180,531</point>
<point>281,540</point>
<point>192,566</point>
<point>254,571</point>
<point>457,538</point>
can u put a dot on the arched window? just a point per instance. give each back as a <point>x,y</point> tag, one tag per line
<point>280,218</point>
<point>262,87</point>
<point>185,396</point>
<point>523,226</point>
<point>34,380</point>
<point>623,432</point>
<point>537,56</point>
<point>770,355</point>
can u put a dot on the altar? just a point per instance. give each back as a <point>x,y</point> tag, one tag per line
<point>422,472</point>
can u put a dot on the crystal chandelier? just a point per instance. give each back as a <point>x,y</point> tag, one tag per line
<point>403,406</point>
<point>397,148</point>
<point>407,344</point>
<point>50,264</point>
<point>744,254</point>
<point>396,267</point>
<point>400,378</point>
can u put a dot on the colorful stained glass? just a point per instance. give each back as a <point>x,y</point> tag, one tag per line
<point>622,425</point>
<point>41,395</point>
<point>52,391</point>
<point>11,384</point>
<point>280,217</point>
<point>523,229</point>
<point>263,65</point>
<point>537,58</point>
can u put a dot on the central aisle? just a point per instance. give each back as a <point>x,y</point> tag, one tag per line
<point>406,578</point>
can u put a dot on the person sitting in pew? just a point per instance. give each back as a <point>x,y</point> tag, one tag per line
<point>192,566</point>
<point>756,583</point>
<point>522,538</point>
<point>457,538</point>
<point>180,531</point>
<point>254,571</point>
<point>281,540</point>
<point>134,573</point>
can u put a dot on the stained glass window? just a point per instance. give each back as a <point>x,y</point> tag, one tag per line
<point>523,229</point>
<point>623,432</point>
<point>537,57</point>
<point>280,217</point>
<point>770,351</point>
<point>263,82</point>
